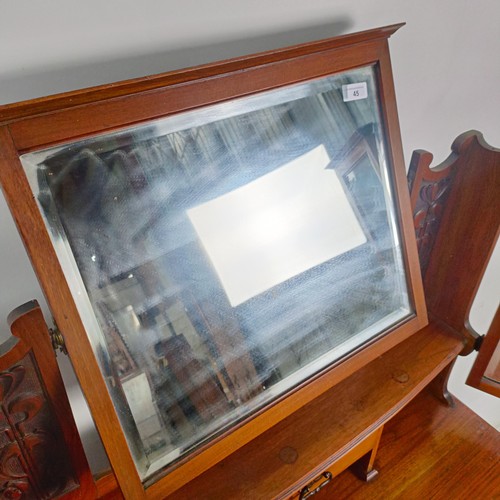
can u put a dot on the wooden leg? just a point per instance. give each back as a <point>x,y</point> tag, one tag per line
<point>363,468</point>
<point>439,386</point>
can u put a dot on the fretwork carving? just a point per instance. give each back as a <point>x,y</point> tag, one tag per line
<point>456,208</point>
<point>430,191</point>
<point>32,462</point>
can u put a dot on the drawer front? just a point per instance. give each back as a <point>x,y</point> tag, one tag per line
<point>325,479</point>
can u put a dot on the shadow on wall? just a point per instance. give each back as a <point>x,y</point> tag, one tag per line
<point>72,76</point>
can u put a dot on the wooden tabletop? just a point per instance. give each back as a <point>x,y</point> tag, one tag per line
<point>429,451</point>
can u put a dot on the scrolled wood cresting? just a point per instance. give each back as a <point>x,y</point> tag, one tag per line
<point>461,195</point>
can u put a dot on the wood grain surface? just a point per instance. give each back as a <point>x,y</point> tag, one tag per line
<point>429,451</point>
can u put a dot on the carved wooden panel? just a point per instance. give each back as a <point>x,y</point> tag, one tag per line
<point>41,455</point>
<point>456,208</point>
<point>32,459</point>
<point>428,195</point>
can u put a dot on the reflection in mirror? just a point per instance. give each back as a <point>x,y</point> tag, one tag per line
<point>248,232</point>
<point>222,256</point>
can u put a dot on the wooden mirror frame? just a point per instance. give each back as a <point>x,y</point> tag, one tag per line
<point>40,123</point>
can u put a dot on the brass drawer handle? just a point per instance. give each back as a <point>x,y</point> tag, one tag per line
<point>307,492</point>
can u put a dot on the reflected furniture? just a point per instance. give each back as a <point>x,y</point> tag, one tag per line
<point>229,255</point>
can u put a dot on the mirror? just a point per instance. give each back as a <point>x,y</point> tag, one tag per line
<point>222,256</point>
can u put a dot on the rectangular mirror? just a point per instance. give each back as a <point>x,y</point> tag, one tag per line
<point>222,256</point>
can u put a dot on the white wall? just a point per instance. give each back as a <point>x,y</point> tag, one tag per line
<point>445,64</point>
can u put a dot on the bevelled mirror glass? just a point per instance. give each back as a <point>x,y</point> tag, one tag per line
<point>222,256</point>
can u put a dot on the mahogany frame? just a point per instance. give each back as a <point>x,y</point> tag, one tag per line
<point>484,372</point>
<point>444,197</point>
<point>40,123</point>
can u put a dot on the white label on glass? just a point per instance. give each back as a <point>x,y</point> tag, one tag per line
<point>354,91</point>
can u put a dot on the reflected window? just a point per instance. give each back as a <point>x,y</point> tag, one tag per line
<point>277,227</point>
